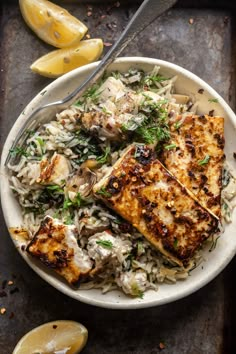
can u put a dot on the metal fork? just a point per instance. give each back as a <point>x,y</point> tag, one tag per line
<point>146,14</point>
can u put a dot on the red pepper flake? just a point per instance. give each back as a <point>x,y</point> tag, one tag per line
<point>4,283</point>
<point>11,315</point>
<point>161,345</point>
<point>3,293</point>
<point>191,21</point>
<point>107,44</point>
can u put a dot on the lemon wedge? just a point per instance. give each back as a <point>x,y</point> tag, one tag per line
<point>52,23</point>
<point>61,61</point>
<point>64,337</point>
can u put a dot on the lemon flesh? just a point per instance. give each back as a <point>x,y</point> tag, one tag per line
<point>52,23</point>
<point>61,61</point>
<point>67,337</point>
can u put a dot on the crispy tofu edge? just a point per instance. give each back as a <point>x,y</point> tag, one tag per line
<point>104,181</point>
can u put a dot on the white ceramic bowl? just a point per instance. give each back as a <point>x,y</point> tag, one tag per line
<point>187,83</point>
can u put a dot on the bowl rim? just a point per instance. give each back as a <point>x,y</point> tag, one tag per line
<point>53,281</point>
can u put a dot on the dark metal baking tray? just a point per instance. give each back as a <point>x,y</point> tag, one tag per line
<point>204,322</point>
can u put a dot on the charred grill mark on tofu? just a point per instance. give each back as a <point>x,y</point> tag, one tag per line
<point>199,160</point>
<point>161,208</point>
<point>56,247</point>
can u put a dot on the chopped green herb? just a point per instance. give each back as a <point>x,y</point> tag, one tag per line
<point>92,93</point>
<point>204,161</point>
<point>30,132</point>
<point>151,134</point>
<point>136,291</point>
<point>140,248</point>
<point>177,125</point>
<point>19,151</point>
<point>55,188</point>
<point>175,243</point>
<point>69,220</point>
<point>102,191</point>
<point>171,146</point>
<point>67,203</point>
<point>105,243</point>
<point>78,103</point>
<point>43,92</point>
<point>150,80</point>
<point>41,142</point>
<point>104,110</point>
<point>213,100</point>
<point>103,159</point>
<point>77,202</point>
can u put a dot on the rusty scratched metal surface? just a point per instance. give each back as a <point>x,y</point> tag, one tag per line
<point>200,323</point>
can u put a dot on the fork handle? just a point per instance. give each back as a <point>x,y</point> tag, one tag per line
<point>146,14</point>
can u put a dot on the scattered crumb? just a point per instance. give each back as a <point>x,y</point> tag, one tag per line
<point>117,4</point>
<point>11,315</point>
<point>54,326</point>
<point>89,13</point>
<point>22,247</point>
<point>234,155</point>
<point>191,21</point>
<point>211,113</point>
<point>161,345</point>
<point>107,44</point>
<point>10,282</point>
<point>88,36</point>
<point>3,311</point>
<point>201,91</point>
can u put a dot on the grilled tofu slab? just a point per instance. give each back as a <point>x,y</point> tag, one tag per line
<point>145,193</point>
<point>56,246</point>
<point>195,156</point>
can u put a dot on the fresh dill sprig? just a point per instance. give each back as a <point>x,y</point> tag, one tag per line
<point>19,151</point>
